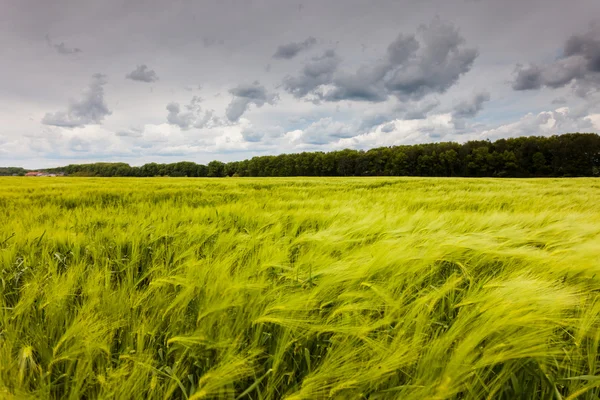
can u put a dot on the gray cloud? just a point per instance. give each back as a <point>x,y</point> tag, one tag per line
<point>470,108</point>
<point>194,103</point>
<point>371,121</point>
<point>142,74</point>
<point>36,75</point>
<point>176,117</point>
<point>586,46</point>
<point>253,135</point>
<point>419,109</point>
<point>527,78</point>
<point>192,118</point>
<point>387,128</point>
<point>402,49</point>
<point>441,61</point>
<point>79,145</point>
<point>208,120</point>
<point>559,74</point>
<point>191,88</point>
<point>319,71</point>
<point>89,109</point>
<point>578,64</point>
<point>244,95</point>
<point>559,100</point>
<point>410,70</point>
<point>62,48</point>
<point>563,72</point>
<point>134,132</point>
<point>291,50</point>
<point>367,84</point>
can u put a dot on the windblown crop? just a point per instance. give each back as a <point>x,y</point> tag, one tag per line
<point>299,288</point>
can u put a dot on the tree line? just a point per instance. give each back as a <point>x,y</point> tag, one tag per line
<point>568,155</point>
<point>8,171</point>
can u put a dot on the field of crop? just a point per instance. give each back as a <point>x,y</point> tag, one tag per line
<point>406,288</point>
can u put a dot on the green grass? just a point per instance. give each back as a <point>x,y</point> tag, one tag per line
<point>299,288</point>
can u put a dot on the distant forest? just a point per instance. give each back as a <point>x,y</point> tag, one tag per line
<point>568,155</point>
<point>8,171</point>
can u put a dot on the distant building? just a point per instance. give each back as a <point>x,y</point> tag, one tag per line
<point>41,173</point>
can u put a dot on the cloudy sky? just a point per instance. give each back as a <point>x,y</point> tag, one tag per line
<point>141,81</point>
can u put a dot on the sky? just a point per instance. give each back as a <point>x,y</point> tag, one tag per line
<point>152,81</point>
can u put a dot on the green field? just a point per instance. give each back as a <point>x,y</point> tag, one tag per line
<point>344,288</point>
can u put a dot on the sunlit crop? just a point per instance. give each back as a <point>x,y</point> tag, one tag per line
<point>344,288</point>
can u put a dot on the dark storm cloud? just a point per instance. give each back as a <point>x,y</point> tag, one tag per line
<point>402,49</point>
<point>364,85</point>
<point>470,108</point>
<point>586,46</point>
<point>319,71</point>
<point>142,74</point>
<point>579,64</point>
<point>442,59</point>
<point>559,74</point>
<point>89,109</point>
<point>62,48</point>
<point>244,95</point>
<point>410,70</point>
<point>527,78</point>
<point>291,50</point>
<point>367,83</point>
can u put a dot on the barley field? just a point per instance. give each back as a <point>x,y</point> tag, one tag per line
<point>304,288</point>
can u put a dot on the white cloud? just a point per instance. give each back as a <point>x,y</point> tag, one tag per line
<point>326,130</point>
<point>546,123</point>
<point>595,119</point>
